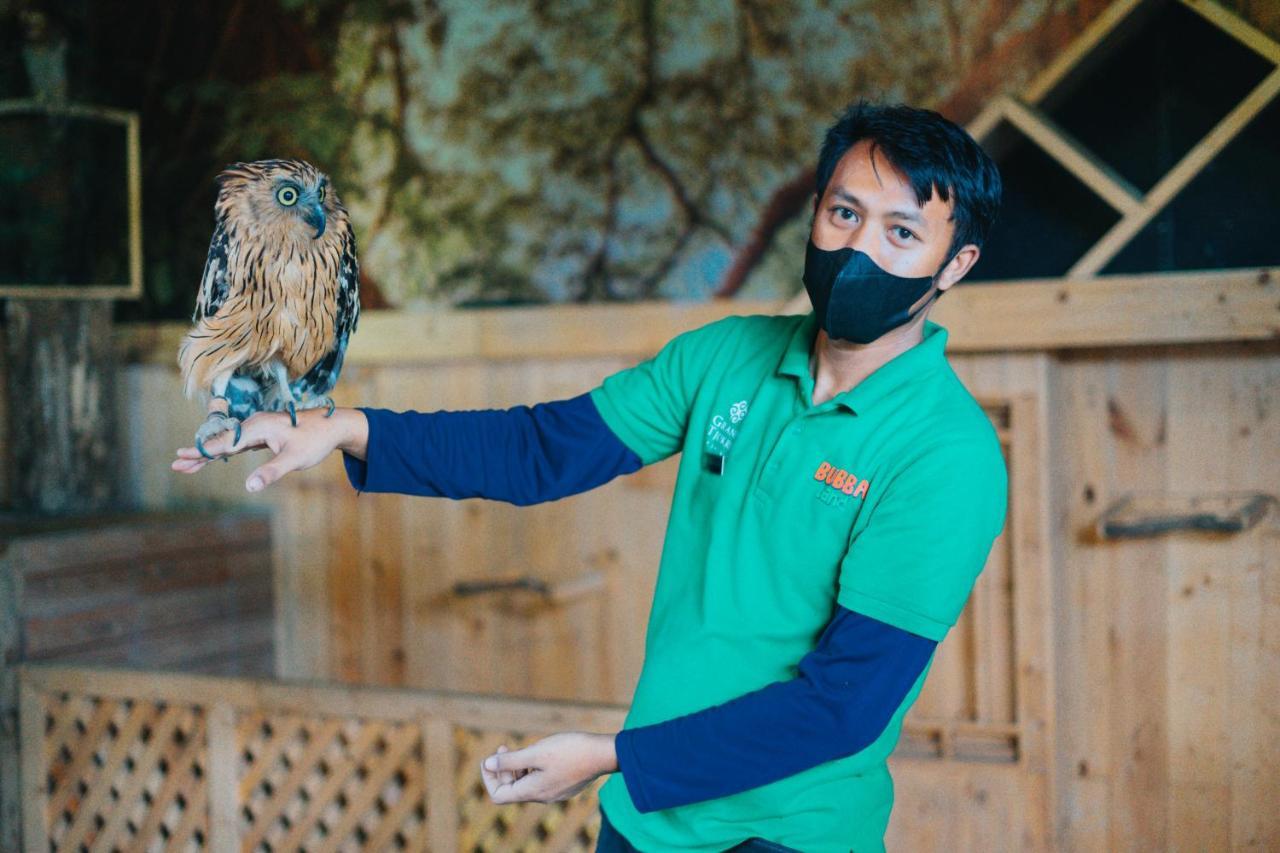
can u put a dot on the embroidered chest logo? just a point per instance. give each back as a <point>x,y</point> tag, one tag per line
<point>720,435</point>
<point>839,485</point>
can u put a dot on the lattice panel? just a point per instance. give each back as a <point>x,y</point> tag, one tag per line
<point>125,774</point>
<point>330,783</point>
<point>521,828</point>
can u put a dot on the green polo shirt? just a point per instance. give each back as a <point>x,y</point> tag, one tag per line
<point>885,499</point>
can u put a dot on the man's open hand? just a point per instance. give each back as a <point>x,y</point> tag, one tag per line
<point>553,769</point>
<point>293,448</point>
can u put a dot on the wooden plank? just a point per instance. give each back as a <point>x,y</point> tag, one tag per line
<point>224,821</point>
<point>1085,311</point>
<point>1255,733</point>
<point>120,539</point>
<point>340,700</point>
<point>130,618</point>
<point>1079,479</point>
<point>1136,399</point>
<point>1250,461</point>
<point>1032,640</point>
<point>1200,574</point>
<point>442,808</point>
<point>345,570</point>
<point>384,633</point>
<point>1237,28</point>
<point>35,768</point>
<point>1174,307</point>
<point>986,121</point>
<point>301,562</point>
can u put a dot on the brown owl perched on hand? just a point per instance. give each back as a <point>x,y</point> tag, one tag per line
<point>279,297</point>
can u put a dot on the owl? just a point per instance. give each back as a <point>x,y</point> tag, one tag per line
<point>279,298</point>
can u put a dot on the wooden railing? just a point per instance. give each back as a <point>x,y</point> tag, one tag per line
<point>136,760</point>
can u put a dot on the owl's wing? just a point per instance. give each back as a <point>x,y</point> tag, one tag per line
<point>321,378</point>
<point>214,285</point>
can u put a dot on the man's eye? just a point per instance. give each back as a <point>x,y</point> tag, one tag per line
<point>904,233</point>
<point>843,212</point>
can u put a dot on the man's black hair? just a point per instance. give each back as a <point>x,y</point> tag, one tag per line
<point>930,150</point>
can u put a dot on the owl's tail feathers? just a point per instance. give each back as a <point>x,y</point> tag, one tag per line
<point>211,352</point>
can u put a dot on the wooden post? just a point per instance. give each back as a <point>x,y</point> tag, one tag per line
<point>60,406</point>
<point>442,806</point>
<point>223,794</point>
<point>35,770</point>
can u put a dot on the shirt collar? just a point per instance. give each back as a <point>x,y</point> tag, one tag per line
<point>919,360</point>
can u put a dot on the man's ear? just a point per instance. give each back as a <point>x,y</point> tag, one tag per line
<point>959,265</point>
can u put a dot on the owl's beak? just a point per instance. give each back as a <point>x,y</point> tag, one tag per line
<point>313,215</point>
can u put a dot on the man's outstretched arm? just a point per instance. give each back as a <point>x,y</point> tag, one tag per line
<point>522,455</point>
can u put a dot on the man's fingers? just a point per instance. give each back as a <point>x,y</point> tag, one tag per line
<point>490,779</point>
<point>528,788</point>
<point>188,466</point>
<point>264,475</point>
<point>506,777</point>
<point>511,762</point>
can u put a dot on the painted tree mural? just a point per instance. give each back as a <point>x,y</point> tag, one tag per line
<point>587,151</point>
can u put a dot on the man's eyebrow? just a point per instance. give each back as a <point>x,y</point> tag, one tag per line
<point>845,195</point>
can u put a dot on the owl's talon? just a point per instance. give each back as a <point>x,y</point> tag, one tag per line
<point>332,408</point>
<point>216,423</point>
<point>293,413</point>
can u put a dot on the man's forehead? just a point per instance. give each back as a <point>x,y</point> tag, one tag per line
<point>868,180</point>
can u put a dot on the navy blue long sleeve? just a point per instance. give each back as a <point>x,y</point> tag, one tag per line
<point>522,455</point>
<point>847,690</point>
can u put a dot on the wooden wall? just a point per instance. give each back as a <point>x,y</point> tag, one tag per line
<point>1163,678</point>
<point>1168,649</point>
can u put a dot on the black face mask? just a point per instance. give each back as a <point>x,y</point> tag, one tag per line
<point>855,299</point>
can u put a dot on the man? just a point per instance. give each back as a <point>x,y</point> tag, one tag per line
<point>839,491</point>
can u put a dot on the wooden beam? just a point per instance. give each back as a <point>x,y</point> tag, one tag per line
<point>1027,314</point>
<point>987,120</point>
<point>223,820</point>
<point>1237,28</point>
<point>1073,156</point>
<point>35,769</point>
<point>476,710</point>
<point>1174,308</point>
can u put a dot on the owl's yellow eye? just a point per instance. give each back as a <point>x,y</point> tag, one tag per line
<point>320,195</point>
<point>287,196</point>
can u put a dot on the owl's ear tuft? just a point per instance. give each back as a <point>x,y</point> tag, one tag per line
<point>233,171</point>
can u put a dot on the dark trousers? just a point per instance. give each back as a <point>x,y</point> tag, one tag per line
<point>611,841</point>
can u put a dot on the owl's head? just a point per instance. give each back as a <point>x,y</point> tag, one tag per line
<point>280,198</point>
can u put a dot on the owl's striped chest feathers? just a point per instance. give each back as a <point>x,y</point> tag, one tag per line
<point>291,294</point>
